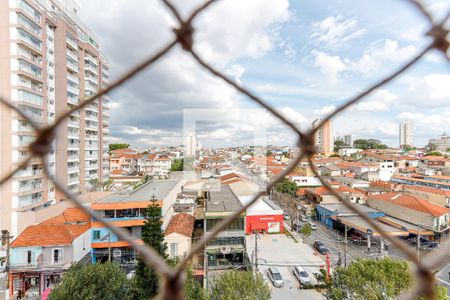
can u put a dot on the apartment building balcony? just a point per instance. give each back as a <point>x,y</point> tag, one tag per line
<point>92,108</point>
<point>29,68</point>
<point>74,188</point>
<point>27,200</point>
<point>73,180</point>
<point>73,169</point>
<point>72,43</point>
<point>91,117</point>
<point>93,146</point>
<point>30,189</point>
<point>91,167</point>
<point>28,10</point>
<point>29,173</point>
<point>73,55</point>
<point>73,123</point>
<point>90,79</point>
<point>91,157</point>
<point>91,137</point>
<point>73,89</point>
<point>91,127</point>
<point>91,69</point>
<point>73,99</point>
<point>73,146</point>
<point>73,158</point>
<point>28,24</point>
<point>73,78</point>
<point>74,135</point>
<point>91,59</point>
<point>72,66</point>
<point>28,56</point>
<point>90,88</point>
<point>29,41</point>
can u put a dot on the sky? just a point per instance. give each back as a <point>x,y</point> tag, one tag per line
<point>303,57</point>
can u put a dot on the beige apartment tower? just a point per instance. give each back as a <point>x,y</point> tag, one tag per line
<point>324,137</point>
<point>49,62</point>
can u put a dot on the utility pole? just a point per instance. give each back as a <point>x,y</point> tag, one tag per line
<point>345,245</point>
<point>418,245</point>
<point>109,247</point>
<point>256,250</point>
<point>338,249</point>
<point>6,238</point>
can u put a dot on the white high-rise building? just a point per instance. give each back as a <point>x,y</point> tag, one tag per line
<point>190,146</point>
<point>348,139</point>
<point>405,134</point>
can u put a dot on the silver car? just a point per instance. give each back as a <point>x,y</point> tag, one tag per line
<point>302,275</point>
<point>275,277</point>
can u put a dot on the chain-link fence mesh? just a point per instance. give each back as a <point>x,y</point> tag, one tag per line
<point>173,278</point>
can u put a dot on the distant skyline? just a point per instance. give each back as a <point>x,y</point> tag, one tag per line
<point>303,58</point>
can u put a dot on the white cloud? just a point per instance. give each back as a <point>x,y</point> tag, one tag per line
<point>294,116</point>
<point>430,91</point>
<point>378,56</point>
<point>325,110</point>
<point>328,65</point>
<point>336,31</point>
<point>379,101</point>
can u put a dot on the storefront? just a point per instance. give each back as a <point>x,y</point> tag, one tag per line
<point>263,216</point>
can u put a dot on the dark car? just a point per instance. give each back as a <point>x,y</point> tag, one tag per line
<point>319,246</point>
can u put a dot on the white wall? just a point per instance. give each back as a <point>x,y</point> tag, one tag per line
<point>184,243</point>
<point>167,209</point>
<point>306,180</point>
<point>80,243</point>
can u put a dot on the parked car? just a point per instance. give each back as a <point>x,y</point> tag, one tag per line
<point>304,218</point>
<point>286,217</point>
<point>313,225</point>
<point>319,246</point>
<point>302,275</point>
<point>275,276</point>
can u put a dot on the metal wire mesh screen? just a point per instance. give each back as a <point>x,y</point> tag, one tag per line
<point>173,278</point>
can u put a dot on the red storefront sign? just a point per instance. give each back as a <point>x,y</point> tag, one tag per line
<point>268,223</point>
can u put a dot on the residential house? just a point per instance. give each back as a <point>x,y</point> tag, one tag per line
<point>42,253</point>
<point>412,209</point>
<point>434,195</point>
<point>323,195</point>
<point>178,235</point>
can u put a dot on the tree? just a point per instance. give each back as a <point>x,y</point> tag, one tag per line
<point>145,280</point>
<point>192,289</point>
<point>338,145</point>
<point>100,281</point>
<point>268,153</point>
<point>432,147</point>
<point>95,183</point>
<point>434,153</point>
<point>441,293</point>
<point>335,155</point>
<point>287,187</point>
<point>369,144</point>
<point>118,146</point>
<point>239,285</point>
<point>370,279</point>
<point>306,231</point>
<point>177,165</point>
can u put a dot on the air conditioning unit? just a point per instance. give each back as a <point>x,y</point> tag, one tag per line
<point>225,250</point>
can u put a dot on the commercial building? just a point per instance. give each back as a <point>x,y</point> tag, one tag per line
<point>440,144</point>
<point>263,216</point>
<point>50,61</point>
<point>324,137</point>
<point>405,134</point>
<point>42,253</point>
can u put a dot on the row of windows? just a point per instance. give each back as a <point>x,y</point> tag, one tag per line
<point>236,224</point>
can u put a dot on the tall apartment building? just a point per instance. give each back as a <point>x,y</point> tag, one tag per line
<point>405,134</point>
<point>324,137</point>
<point>49,62</point>
<point>190,146</point>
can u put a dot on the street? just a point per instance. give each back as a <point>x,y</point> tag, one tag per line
<point>292,254</point>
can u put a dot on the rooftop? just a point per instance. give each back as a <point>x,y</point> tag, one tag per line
<point>159,188</point>
<point>181,223</point>
<point>223,200</point>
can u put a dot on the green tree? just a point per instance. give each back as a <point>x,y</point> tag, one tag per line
<point>434,153</point>
<point>269,153</point>
<point>370,279</point>
<point>100,281</point>
<point>177,165</point>
<point>305,231</point>
<point>118,146</point>
<point>287,187</point>
<point>338,145</point>
<point>145,280</point>
<point>192,289</point>
<point>441,293</point>
<point>239,285</point>
<point>369,144</point>
<point>432,147</point>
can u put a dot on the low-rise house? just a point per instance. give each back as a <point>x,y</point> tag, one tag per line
<point>303,181</point>
<point>412,209</point>
<point>437,196</point>
<point>352,182</point>
<point>178,235</point>
<point>42,253</point>
<point>323,195</point>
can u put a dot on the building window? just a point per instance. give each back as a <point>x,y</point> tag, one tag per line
<point>57,255</point>
<point>109,213</point>
<point>96,234</point>
<point>29,257</point>
<point>173,249</point>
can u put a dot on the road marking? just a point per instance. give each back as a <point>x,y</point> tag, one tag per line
<point>443,281</point>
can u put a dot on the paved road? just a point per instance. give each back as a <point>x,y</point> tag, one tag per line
<point>443,279</point>
<point>284,253</point>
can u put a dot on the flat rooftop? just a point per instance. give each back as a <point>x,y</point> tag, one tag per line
<point>343,210</point>
<point>361,225</point>
<point>223,200</point>
<point>159,188</point>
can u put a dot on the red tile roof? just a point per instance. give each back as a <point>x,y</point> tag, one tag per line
<point>181,223</point>
<point>59,230</point>
<point>341,189</point>
<point>413,202</point>
<point>427,189</point>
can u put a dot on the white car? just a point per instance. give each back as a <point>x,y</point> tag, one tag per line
<point>302,275</point>
<point>275,276</point>
<point>286,217</point>
<point>313,226</point>
<point>304,218</point>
